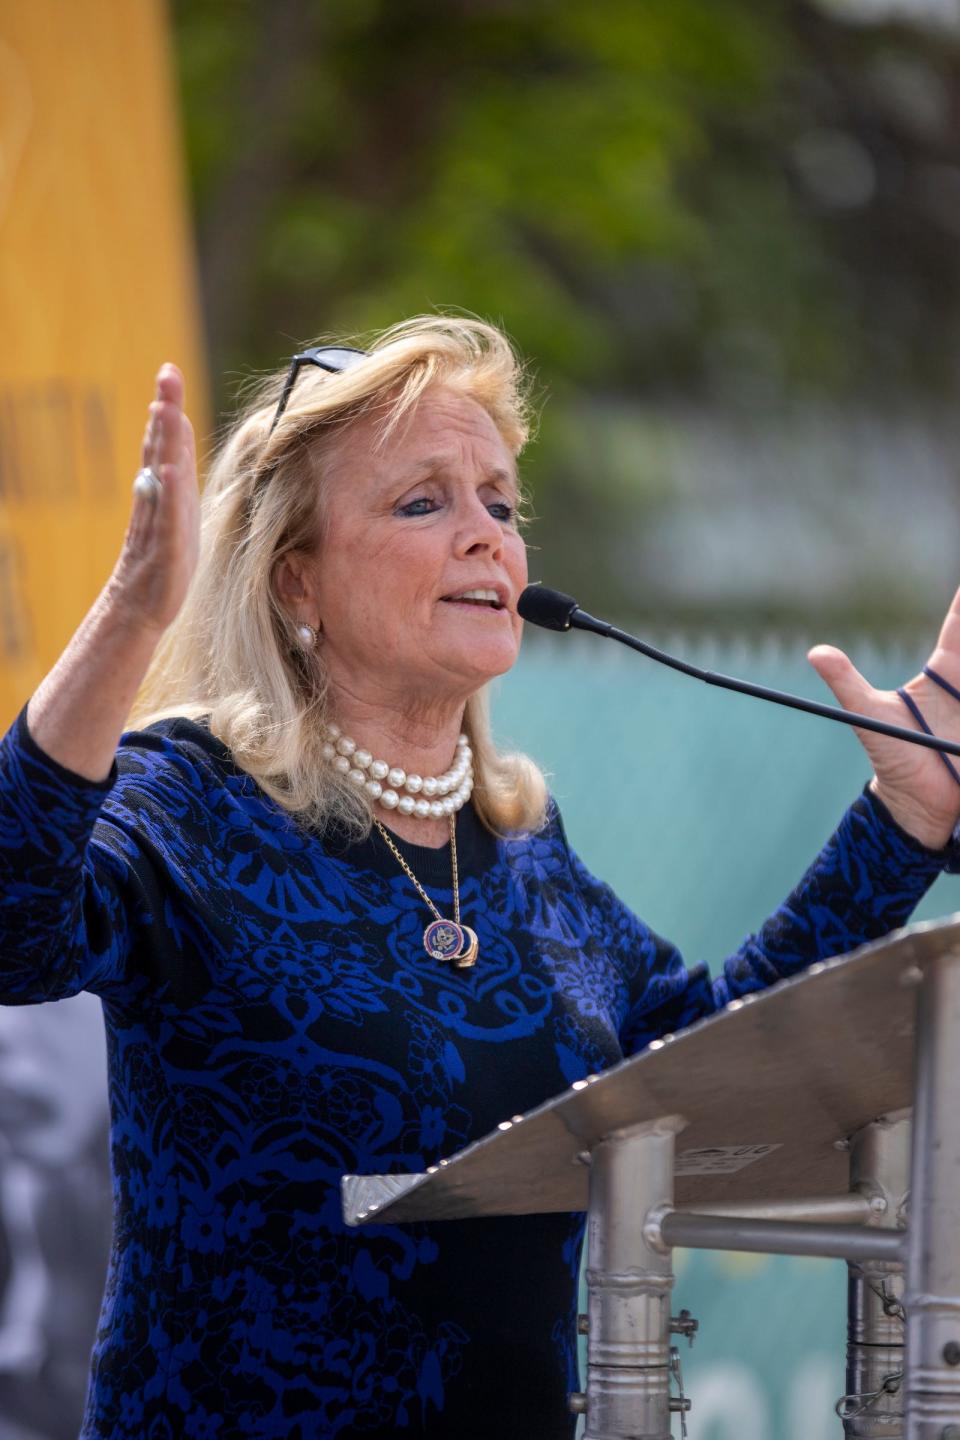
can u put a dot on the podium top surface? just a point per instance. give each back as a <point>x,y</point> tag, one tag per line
<point>766,1088</point>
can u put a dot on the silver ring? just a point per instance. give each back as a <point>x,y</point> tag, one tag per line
<point>147,483</point>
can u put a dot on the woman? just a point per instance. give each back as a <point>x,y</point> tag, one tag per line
<point>332,928</point>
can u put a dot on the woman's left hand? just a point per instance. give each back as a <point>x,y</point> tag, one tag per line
<point>912,782</point>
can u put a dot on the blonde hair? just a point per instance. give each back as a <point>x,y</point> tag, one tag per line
<point>232,656</point>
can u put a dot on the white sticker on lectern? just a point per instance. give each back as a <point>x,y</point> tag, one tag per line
<point>720,1159</point>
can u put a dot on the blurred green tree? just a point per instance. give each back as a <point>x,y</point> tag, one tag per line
<point>683,193</point>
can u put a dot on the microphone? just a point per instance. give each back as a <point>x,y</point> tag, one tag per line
<point>556,611</point>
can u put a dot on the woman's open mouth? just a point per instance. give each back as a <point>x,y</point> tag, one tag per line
<point>488,599</point>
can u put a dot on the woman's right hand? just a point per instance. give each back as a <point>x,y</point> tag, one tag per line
<point>80,708</point>
<point>159,553</point>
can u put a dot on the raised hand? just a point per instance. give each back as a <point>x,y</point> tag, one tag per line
<point>159,552</point>
<point>913,783</point>
<point>79,710</point>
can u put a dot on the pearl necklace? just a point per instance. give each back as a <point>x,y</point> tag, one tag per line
<point>421,800</point>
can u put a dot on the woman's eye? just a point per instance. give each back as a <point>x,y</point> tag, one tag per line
<point>501,510</point>
<point>424,505</point>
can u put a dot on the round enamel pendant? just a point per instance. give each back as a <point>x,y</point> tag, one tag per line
<point>444,940</point>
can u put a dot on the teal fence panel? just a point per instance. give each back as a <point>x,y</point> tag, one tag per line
<point>702,809</point>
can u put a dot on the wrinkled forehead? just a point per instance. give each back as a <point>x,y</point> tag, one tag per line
<point>444,431</point>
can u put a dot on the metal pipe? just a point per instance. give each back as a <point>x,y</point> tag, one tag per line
<point>672,1228</point>
<point>879,1173</point>
<point>629,1285</point>
<point>850,1209</point>
<point>932,1299</point>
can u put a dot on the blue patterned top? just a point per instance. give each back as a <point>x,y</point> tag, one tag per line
<point>273,1021</point>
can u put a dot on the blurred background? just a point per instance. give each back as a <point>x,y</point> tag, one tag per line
<point>726,238</point>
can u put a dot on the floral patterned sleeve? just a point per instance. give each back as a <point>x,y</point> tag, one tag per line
<point>65,903</point>
<point>865,882</point>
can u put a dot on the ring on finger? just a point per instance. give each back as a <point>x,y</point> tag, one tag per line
<point>146,483</point>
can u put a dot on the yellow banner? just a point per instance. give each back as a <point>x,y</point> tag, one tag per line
<point>97,288</point>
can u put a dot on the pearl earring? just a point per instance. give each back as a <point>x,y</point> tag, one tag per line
<point>307,635</point>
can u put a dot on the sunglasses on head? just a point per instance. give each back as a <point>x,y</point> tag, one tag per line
<point>333,358</point>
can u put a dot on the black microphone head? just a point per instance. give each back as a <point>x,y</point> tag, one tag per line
<point>549,608</point>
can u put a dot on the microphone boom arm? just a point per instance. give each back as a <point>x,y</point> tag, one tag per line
<point>580,620</point>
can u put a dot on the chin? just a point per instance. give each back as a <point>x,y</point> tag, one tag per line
<point>478,669</point>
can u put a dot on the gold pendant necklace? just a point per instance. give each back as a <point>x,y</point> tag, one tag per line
<point>443,939</point>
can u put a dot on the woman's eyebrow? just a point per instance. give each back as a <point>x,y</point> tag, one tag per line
<point>436,464</point>
<point>510,477</point>
<point>426,466</point>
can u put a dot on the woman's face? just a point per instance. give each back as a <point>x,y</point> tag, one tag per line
<point>408,529</point>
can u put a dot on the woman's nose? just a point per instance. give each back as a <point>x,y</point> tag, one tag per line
<point>478,529</point>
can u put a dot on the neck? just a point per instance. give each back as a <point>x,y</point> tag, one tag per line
<point>419,742</point>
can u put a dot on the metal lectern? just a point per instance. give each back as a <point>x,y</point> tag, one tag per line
<point>781,1125</point>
